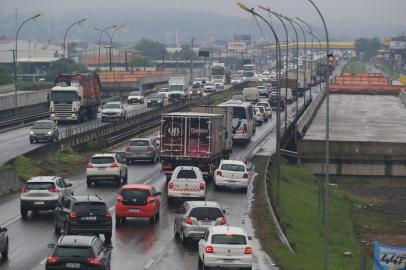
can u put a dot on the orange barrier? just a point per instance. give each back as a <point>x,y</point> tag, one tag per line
<point>128,77</point>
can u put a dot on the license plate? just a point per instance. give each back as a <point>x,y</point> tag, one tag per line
<point>72,265</point>
<point>38,203</point>
<point>228,260</point>
<point>134,210</point>
<point>89,218</point>
<point>101,169</point>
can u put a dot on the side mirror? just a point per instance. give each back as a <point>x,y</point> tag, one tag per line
<point>79,98</point>
<point>48,96</point>
<point>51,245</point>
<point>158,193</point>
<point>224,211</point>
<point>249,237</point>
<point>69,184</point>
<point>3,229</point>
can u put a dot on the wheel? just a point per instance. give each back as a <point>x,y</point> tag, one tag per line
<point>157,215</point>
<point>152,219</point>
<point>4,254</point>
<point>118,221</point>
<point>183,238</point>
<point>31,141</point>
<point>107,237</point>
<point>125,178</point>
<point>23,212</point>
<point>175,232</point>
<point>170,201</point>
<point>88,182</point>
<point>57,230</point>
<point>66,229</point>
<point>118,180</point>
<point>130,161</point>
<point>200,264</point>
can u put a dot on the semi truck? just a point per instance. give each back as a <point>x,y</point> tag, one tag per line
<point>75,97</point>
<point>220,74</point>
<point>191,139</point>
<point>177,88</point>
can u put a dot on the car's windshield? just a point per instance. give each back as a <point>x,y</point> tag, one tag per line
<point>90,206</point>
<point>260,108</point>
<point>75,252</point>
<point>139,143</point>
<point>63,96</point>
<point>135,93</point>
<point>232,167</point>
<point>102,160</point>
<point>176,88</point>
<point>266,105</point>
<point>209,84</point>
<point>112,106</point>
<point>206,213</point>
<point>39,185</point>
<point>42,125</point>
<point>189,174</point>
<point>155,96</point>
<point>228,239</point>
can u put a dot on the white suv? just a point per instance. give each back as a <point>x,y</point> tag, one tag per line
<point>231,173</point>
<point>42,193</point>
<point>226,247</point>
<point>187,182</point>
<point>104,167</point>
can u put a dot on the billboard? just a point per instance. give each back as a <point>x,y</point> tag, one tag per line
<point>389,258</point>
<point>397,45</point>
<point>236,45</point>
<point>244,38</point>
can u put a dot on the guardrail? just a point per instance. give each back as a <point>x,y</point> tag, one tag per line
<point>305,120</point>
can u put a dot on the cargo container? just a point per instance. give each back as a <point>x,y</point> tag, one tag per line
<point>191,139</point>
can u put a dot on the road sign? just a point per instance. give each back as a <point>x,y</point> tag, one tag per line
<point>204,53</point>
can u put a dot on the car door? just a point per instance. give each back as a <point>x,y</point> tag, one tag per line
<point>180,216</point>
<point>202,242</point>
<point>156,147</point>
<point>121,163</point>
<point>156,199</point>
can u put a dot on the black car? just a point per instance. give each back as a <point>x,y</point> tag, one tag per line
<point>3,243</point>
<point>83,215</point>
<point>79,252</point>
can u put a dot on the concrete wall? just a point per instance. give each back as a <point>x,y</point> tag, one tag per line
<point>402,95</point>
<point>306,119</point>
<point>9,181</point>
<point>23,99</point>
<point>7,88</point>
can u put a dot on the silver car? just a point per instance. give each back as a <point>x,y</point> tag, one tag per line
<point>42,193</point>
<point>142,149</point>
<point>195,217</point>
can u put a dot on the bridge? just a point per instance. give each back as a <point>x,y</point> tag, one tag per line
<point>317,45</point>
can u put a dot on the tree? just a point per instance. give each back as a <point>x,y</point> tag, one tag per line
<point>140,61</point>
<point>151,49</point>
<point>5,77</point>
<point>63,66</point>
<point>368,46</point>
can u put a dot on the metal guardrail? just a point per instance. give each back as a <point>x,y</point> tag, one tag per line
<point>21,121</point>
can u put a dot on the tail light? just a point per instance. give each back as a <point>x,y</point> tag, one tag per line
<point>245,129</point>
<point>170,185</point>
<point>94,261</point>
<point>219,173</point>
<point>54,189</point>
<point>120,198</point>
<point>202,185</point>
<point>73,215</point>
<point>223,221</point>
<point>245,175</point>
<point>150,148</point>
<point>189,220</point>
<point>150,199</point>
<point>248,250</point>
<point>245,161</point>
<point>108,214</point>
<point>25,190</point>
<point>53,259</point>
<point>114,165</point>
<point>209,249</point>
<point>90,165</point>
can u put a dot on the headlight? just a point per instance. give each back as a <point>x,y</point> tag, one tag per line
<point>32,133</point>
<point>49,132</point>
<point>159,101</point>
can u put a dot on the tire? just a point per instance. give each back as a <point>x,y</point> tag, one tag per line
<point>4,253</point>
<point>107,237</point>
<point>66,229</point>
<point>57,230</point>
<point>200,263</point>
<point>158,215</point>
<point>118,181</point>
<point>118,221</point>
<point>23,212</point>
<point>183,238</point>
<point>170,201</point>
<point>88,182</point>
<point>152,219</point>
<point>125,178</point>
<point>176,233</point>
<point>31,141</point>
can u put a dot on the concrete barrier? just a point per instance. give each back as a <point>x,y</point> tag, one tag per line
<point>305,120</point>
<point>9,181</point>
<point>402,95</point>
<point>23,99</point>
<point>7,88</point>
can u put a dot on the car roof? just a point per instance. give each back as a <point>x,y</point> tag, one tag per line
<point>75,240</point>
<point>104,155</point>
<point>227,229</point>
<point>44,121</point>
<point>137,186</point>
<point>43,179</point>
<point>230,161</point>
<point>140,139</point>
<point>194,204</point>
<point>114,102</point>
<point>86,198</point>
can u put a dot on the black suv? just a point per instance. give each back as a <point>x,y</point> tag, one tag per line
<point>79,252</point>
<point>83,215</point>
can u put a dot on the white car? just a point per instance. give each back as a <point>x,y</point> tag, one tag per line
<point>267,106</point>
<point>187,182</point>
<point>209,87</point>
<point>104,167</point>
<point>259,115</point>
<point>113,111</point>
<point>135,97</point>
<point>236,80</point>
<point>225,247</point>
<point>231,173</point>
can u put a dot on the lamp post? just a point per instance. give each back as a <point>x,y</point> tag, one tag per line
<point>16,61</point>
<point>311,59</point>
<point>65,42</point>
<point>287,57</point>
<point>104,30</point>
<point>305,62</point>
<point>278,71</point>
<point>318,40</point>
<point>326,169</point>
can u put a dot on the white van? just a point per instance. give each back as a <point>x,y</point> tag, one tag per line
<point>251,94</point>
<point>289,96</point>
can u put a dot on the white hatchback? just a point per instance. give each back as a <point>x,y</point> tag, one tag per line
<point>225,247</point>
<point>231,173</point>
<point>104,167</point>
<point>187,182</point>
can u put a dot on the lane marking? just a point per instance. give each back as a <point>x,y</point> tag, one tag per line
<point>148,265</point>
<point>43,261</point>
<point>11,221</point>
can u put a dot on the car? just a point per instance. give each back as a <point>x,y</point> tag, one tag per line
<point>113,111</point>
<point>142,149</point>
<point>267,106</point>
<point>263,91</point>
<point>197,83</point>
<point>79,252</point>
<point>109,166</point>
<point>265,72</point>
<point>43,193</point>
<point>156,136</point>
<point>137,201</point>
<point>44,130</point>
<point>209,87</point>
<point>3,243</point>
<point>135,97</point>
<point>236,79</point>
<point>276,102</point>
<point>231,173</point>
<point>195,91</point>
<point>83,215</point>
<point>157,100</point>
<point>259,115</point>
<point>194,218</point>
<point>219,84</point>
<point>263,110</point>
<point>225,247</point>
<point>186,182</point>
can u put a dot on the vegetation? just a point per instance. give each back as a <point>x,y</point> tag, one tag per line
<point>151,49</point>
<point>301,219</point>
<point>140,61</point>
<point>5,77</point>
<point>63,66</point>
<point>225,95</point>
<point>355,66</point>
<point>27,168</point>
<point>367,46</point>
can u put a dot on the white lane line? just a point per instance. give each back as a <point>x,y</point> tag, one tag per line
<point>11,221</point>
<point>148,265</point>
<point>43,261</point>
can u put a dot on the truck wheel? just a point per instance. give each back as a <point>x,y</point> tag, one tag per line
<point>88,182</point>
<point>107,237</point>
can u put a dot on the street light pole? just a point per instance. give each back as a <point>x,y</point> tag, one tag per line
<point>278,114</point>
<point>326,169</point>
<point>287,58</point>
<point>305,62</point>
<point>16,61</point>
<point>311,59</point>
<point>318,40</point>
<point>104,30</point>
<point>65,44</point>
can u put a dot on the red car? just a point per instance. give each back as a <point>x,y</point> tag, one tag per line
<point>138,201</point>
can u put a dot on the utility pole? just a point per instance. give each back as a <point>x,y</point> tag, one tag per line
<point>126,60</point>
<point>191,63</point>
<point>163,60</point>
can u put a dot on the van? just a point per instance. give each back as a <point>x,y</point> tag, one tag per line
<point>251,94</point>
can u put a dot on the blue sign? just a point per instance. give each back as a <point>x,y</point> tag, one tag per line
<point>389,258</point>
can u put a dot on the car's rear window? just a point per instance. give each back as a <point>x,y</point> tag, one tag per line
<point>76,252</point>
<point>189,174</point>
<point>44,125</point>
<point>40,185</point>
<point>263,104</point>
<point>139,143</point>
<point>102,160</point>
<point>138,194</point>
<point>135,94</point>
<point>90,206</point>
<point>232,167</point>
<point>261,109</point>
<point>206,213</point>
<point>233,239</point>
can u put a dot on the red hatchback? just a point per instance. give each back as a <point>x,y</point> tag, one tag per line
<point>138,201</point>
